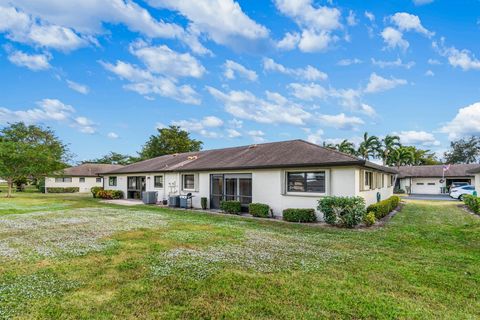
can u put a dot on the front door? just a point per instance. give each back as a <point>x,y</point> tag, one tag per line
<point>230,187</point>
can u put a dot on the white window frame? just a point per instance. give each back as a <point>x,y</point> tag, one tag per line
<point>96,180</point>
<point>112,184</point>
<point>306,193</point>
<point>63,180</point>
<point>81,180</point>
<point>162,182</point>
<point>183,181</point>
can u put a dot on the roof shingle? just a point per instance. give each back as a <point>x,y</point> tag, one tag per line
<point>89,169</point>
<point>456,170</point>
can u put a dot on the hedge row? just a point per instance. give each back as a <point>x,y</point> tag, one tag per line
<point>63,190</point>
<point>95,190</point>
<point>231,206</point>
<point>342,211</point>
<point>109,194</point>
<point>259,210</point>
<point>299,215</point>
<point>472,202</point>
<point>383,208</point>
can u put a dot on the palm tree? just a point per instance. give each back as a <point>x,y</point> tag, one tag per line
<point>390,143</point>
<point>347,147</point>
<point>329,145</point>
<point>370,147</point>
<point>401,157</point>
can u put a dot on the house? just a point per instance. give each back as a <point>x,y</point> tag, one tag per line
<point>476,172</point>
<point>84,176</point>
<point>432,179</point>
<point>288,174</point>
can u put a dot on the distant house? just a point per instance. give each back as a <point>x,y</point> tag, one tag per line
<point>476,172</point>
<point>84,176</point>
<point>432,179</point>
<point>288,174</point>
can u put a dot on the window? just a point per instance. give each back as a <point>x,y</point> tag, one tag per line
<point>420,183</point>
<point>158,181</point>
<point>368,183</point>
<point>306,182</point>
<point>188,182</point>
<point>81,180</point>
<point>99,180</point>
<point>112,181</point>
<point>60,180</point>
<point>431,183</point>
<point>391,180</point>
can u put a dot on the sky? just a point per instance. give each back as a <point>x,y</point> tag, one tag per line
<point>104,74</point>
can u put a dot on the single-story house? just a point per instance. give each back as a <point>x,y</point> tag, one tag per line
<point>288,174</point>
<point>476,172</point>
<point>433,179</point>
<point>84,176</point>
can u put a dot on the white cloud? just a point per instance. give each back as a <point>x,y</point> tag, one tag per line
<point>112,135</point>
<point>232,68</point>
<point>340,121</point>
<point>235,123</point>
<point>378,83</point>
<point>274,109</point>
<point>351,18</point>
<point>316,137</point>
<point>201,126</point>
<point>422,2</point>
<point>370,16</point>
<point>308,73</point>
<point>409,22</point>
<point>368,110</point>
<point>434,62</point>
<point>257,136</point>
<point>429,73</point>
<point>466,122</point>
<point>232,133</point>
<point>34,62</point>
<point>463,59</point>
<point>223,21</point>
<point>348,62</point>
<point>289,41</point>
<point>308,92</point>
<point>83,89</point>
<point>163,60</point>
<point>317,23</point>
<point>48,110</point>
<point>394,38</point>
<point>421,138</point>
<point>145,83</point>
<point>394,63</point>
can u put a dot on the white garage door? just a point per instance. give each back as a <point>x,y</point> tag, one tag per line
<point>426,186</point>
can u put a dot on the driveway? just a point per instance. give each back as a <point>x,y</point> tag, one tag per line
<point>432,197</point>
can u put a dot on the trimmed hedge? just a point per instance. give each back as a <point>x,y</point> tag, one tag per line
<point>110,194</point>
<point>472,202</point>
<point>231,206</point>
<point>259,210</point>
<point>63,190</point>
<point>95,190</point>
<point>342,211</point>
<point>369,219</point>
<point>383,208</point>
<point>299,215</point>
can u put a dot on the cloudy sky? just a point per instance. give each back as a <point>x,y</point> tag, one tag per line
<point>105,73</point>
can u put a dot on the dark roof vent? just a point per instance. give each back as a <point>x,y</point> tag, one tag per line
<point>252,146</point>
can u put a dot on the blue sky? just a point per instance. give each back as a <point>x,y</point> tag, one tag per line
<point>105,73</point>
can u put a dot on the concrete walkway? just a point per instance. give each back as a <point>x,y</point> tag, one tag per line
<point>429,197</point>
<point>124,202</point>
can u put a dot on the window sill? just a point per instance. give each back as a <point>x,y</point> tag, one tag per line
<point>305,194</point>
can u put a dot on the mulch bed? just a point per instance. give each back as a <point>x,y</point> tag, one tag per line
<point>467,210</point>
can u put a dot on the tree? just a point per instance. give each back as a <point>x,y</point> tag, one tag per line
<point>346,147</point>
<point>329,145</point>
<point>402,156</point>
<point>370,147</point>
<point>465,150</point>
<point>114,158</point>
<point>390,143</point>
<point>29,151</point>
<point>169,141</point>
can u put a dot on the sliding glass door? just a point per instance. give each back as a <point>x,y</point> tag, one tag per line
<point>230,187</point>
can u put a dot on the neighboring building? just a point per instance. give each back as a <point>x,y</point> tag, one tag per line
<point>289,174</point>
<point>476,172</point>
<point>432,179</point>
<point>84,176</point>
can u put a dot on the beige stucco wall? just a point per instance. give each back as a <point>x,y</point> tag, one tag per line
<point>84,187</point>
<point>477,183</point>
<point>268,186</point>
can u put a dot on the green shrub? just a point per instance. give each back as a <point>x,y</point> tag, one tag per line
<point>203,203</point>
<point>342,211</point>
<point>399,191</point>
<point>472,202</point>
<point>63,190</point>
<point>231,206</point>
<point>369,219</point>
<point>299,215</point>
<point>110,194</point>
<point>259,210</point>
<point>383,208</point>
<point>94,191</point>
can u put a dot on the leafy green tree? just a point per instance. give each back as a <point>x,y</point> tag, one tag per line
<point>402,156</point>
<point>370,147</point>
<point>346,147</point>
<point>389,144</point>
<point>465,150</point>
<point>329,145</point>
<point>29,151</point>
<point>169,141</point>
<point>114,158</point>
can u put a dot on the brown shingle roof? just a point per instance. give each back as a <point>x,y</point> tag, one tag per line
<point>475,170</point>
<point>89,169</point>
<point>294,153</point>
<point>456,170</point>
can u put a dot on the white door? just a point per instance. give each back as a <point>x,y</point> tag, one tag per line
<point>426,186</point>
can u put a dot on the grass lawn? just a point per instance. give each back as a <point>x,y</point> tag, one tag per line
<point>68,256</point>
